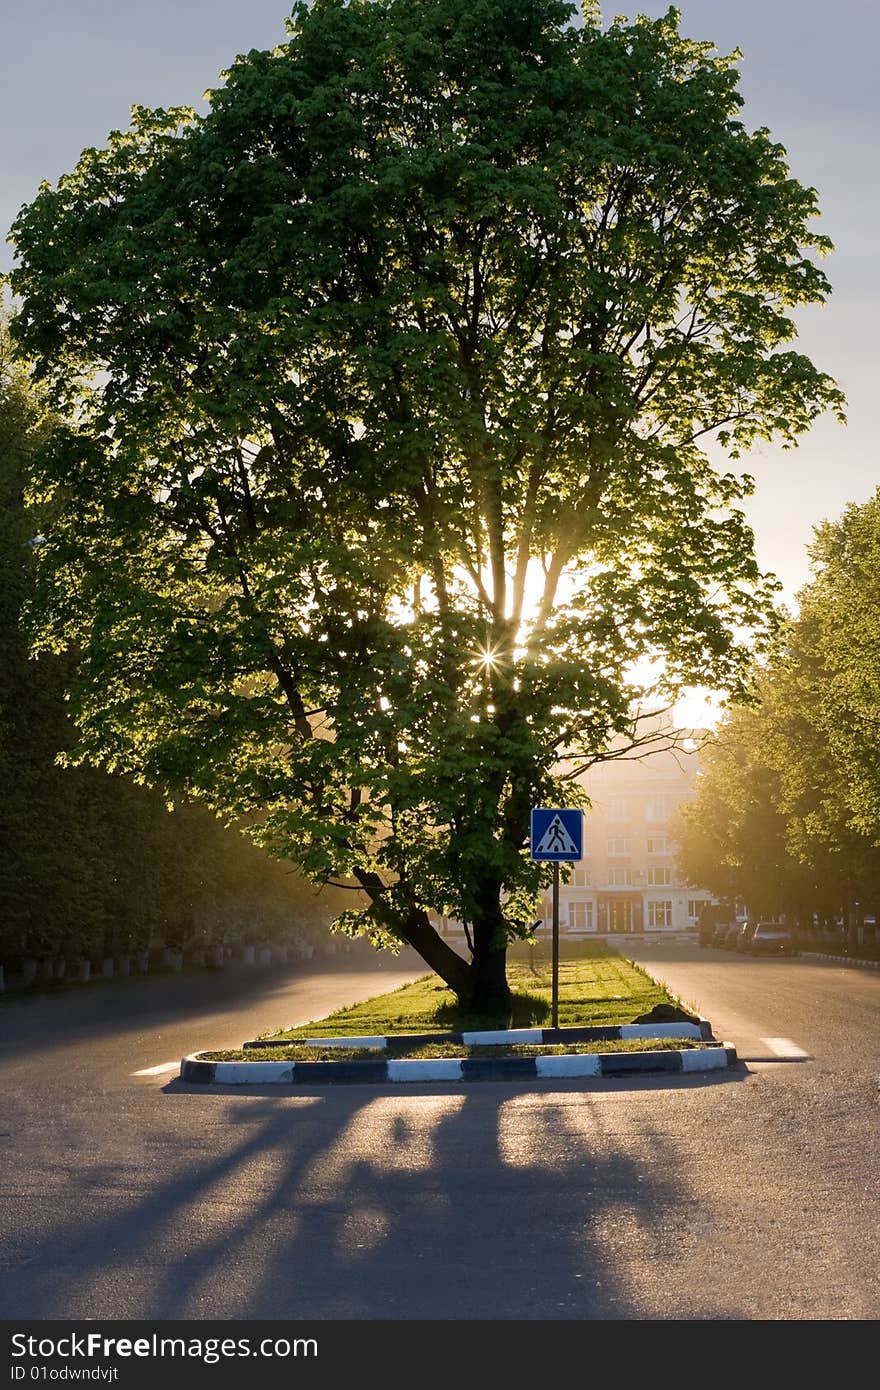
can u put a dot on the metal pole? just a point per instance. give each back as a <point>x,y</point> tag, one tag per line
<point>554,1004</point>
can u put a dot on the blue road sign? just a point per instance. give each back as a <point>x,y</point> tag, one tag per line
<point>557,833</point>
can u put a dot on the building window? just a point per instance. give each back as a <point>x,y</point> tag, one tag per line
<point>620,876</point>
<point>660,914</point>
<point>580,877</point>
<point>580,916</point>
<point>618,808</point>
<point>659,874</point>
<point>695,907</point>
<point>659,808</point>
<point>619,844</point>
<point>659,844</point>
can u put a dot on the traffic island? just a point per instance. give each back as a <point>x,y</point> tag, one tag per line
<point>694,1028</point>
<point>503,1056</point>
<point>616,1021</point>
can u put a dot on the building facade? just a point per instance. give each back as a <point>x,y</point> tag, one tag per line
<point>628,880</point>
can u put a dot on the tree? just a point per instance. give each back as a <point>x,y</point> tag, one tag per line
<point>835,653</point>
<point>828,691</point>
<point>386,382</point>
<point>40,828</point>
<point>734,837</point>
<point>788,810</point>
<point>93,864</point>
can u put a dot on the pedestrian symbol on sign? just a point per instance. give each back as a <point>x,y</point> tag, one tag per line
<point>557,833</point>
<point>556,840</point>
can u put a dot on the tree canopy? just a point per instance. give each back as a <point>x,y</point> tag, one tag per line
<point>788,811</point>
<point>91,864</point>
<point>386,384</point>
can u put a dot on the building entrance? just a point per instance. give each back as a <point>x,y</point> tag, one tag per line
<point>620,915</point>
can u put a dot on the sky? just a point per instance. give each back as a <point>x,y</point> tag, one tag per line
<point>71,69</point>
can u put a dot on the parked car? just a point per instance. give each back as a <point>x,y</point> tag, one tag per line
<point>712,917</point>
<point>719,933</point>
<point>744,934</point>
<point>772,939</point>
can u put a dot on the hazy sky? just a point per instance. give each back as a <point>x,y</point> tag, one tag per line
<point>70,70</point>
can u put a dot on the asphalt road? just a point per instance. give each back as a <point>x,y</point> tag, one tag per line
<point>750,1194</point>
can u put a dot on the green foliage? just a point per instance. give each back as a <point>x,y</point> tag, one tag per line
<point>91,863</point>
<point>834,659</point>
<point>386,382</point>
<point>733,838</point>
<point>430,1050</point>
<point>788,811</point>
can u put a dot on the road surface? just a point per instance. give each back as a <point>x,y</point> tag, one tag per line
<point>750,1194</point>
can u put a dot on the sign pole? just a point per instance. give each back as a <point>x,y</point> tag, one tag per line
<point>557,835</point>
<point>554,1004</point>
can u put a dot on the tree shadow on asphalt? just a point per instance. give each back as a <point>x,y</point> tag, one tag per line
<point>483,1201</point>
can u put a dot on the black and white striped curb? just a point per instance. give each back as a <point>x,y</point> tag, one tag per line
<point>841,960</point>
<point>709,1057</point>
<point>700,1028</point>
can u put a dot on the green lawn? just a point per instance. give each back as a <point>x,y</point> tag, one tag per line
<point>597,985</point>
<point>295,1053</point>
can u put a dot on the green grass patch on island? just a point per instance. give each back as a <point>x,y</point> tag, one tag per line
<point>597,986</point>
<point>298,1053</point>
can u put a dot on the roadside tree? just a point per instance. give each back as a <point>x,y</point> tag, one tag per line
<point>826,699</point>
<point>787,814</point>
<point>91,864</point>
<point>386,383</point>
<point>734,837</point>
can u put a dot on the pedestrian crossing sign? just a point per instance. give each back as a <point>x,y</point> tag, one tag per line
<point>557,834</point>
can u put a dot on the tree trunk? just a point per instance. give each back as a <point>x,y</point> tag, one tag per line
<point>481,985</point>
<point>489,992</point>
<point>453,969</point>
<point>853,922</point>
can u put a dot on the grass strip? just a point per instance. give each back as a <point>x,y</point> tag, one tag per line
<point>597,985</point>
<point>430,1050</point>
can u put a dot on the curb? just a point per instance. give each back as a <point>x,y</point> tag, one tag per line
<point>702,1028</point>
<point>713,1057</point>
<point>841,960</point>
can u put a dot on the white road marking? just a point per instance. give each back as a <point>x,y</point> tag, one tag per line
<point>157,1071</point>
<point>784,1047</point>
